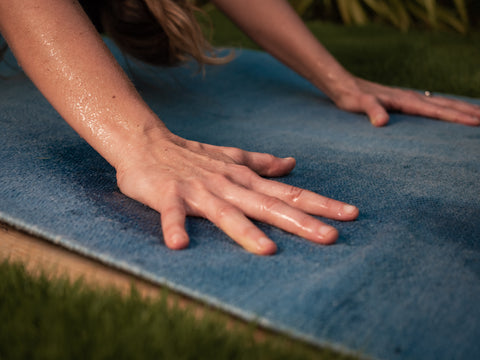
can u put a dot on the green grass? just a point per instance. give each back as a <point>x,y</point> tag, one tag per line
<point>53,319</point>
<point>44,318</point>
<point>438,61</point>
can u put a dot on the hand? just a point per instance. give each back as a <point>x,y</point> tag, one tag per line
<point>375,99</point>
<point>177,178</point>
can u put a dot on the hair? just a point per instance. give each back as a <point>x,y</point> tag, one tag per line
<point>158,32</point>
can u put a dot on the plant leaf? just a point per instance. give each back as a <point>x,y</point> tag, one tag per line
<point>344,12</point>
<point>301,6</point>
<point>359,16</point>
<point>462,11</point>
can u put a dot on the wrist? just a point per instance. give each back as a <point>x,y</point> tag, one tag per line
<point>334,83</point>
<point>143,147</point>
<point>123,140</point>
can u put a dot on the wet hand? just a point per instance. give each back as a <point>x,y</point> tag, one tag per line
<point>177,178</point>
<point>375,100</point>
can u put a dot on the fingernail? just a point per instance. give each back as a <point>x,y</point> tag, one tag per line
<point>266,246</point>
<point>327,234</point>
<point>176,238</point>
<point>377,120</point>
<point>264,242</point>
<point>349,209</point>
<point>177,241</point>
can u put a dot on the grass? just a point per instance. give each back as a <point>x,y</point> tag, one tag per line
<point>41,318</point>
<point>44,318</point>
<point>438,61</point>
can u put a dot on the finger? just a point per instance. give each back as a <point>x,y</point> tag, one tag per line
<point>416,104</point>
<point>235,224</point>
<point>376,113</point>
<point>425,108</point>
<point>173,223</point>
<point>308,201</point>
<point>263,164</point>
<point>365,103</point>
<point>304,200</point>
<point>462,106</point>
<point>275,212</point>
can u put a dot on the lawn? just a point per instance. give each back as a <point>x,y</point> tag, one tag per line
<point>438,61</point>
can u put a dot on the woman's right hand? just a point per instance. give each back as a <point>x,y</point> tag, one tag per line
<point>178,177</point>
<point>64,56</point>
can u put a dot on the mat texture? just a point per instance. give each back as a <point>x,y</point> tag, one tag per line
<point>403,281</point>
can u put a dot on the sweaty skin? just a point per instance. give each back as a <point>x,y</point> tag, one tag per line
<point>60,50</point>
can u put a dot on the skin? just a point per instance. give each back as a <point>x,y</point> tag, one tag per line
<point>275,27</point>
<point>59,49</point>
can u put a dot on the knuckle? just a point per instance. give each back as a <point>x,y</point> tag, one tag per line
<point>367,98</point>
<point>244,171</point>
<point>410,95</point>
<point>305,221</point>
<point>167,202</point>
<point>224,212</point>
<point>237,155</point>
<point>249,232</point>
<point>172,188</point>
<point>437,113</point>
<point>197,184</point>
<point>240,171</point>
<point>270,204</point>
<point>218,180</point>
<point>272,165</point>
<point>195,145</point>
<point>347,102</point>
<point>329,203</point>
<point>294,194</point>
<point>169,209</point>
<point>269,158</point>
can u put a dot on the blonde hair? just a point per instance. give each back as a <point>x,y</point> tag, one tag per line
<point>159,32</point>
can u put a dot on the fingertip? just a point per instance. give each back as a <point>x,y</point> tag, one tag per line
<point>177,241</point>
<point>327,235</point>
<point>349,212</point>
<point>279,166</point>
<point>379,120</point>
<point>290,163</point>
<point>264,246</point>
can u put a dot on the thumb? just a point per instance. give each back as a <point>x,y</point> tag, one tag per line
<point>376,113</point>
<point>269,165</point>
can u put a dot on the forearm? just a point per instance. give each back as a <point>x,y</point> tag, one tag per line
<point>276,27</point>
<point>60,50</point>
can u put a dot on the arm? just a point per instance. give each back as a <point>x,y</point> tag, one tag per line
<point>275,26</point>
<point>61,52</point>
<point>58,48</point>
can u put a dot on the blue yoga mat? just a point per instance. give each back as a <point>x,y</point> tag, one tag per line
<point>403,281</point>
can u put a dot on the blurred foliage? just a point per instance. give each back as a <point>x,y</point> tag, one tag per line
<point>457,15</point>
<point>444,62</point>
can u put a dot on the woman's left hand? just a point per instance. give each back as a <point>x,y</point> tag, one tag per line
<point>275,26</point>
<point>375,100</point>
